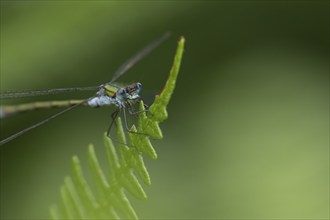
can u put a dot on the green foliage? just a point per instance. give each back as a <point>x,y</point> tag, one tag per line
<point>78,201</point>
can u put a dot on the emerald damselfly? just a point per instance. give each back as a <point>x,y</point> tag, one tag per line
<point>111,93</point>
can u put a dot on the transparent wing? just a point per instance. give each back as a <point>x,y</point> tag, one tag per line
<point>120,71</point>
<point>137,57</point>
<point>30,93</point>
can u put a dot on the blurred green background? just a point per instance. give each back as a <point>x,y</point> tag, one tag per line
<point>248,127</point>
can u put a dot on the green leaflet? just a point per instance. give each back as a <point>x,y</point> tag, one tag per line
<point>110,202</point>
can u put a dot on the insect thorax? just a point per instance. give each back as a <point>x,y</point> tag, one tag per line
<point>103,100</point>
<point>110,89</point>
<point>113,94</point>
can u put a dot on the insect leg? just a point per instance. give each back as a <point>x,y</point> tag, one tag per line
<point>132,111</point>
<point>113,117</point>
<point>126,125</point>
<point>138,112</point>
<point>12,137</point>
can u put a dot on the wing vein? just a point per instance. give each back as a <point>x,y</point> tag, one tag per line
<point>138,56</point>
<point>30,93</point>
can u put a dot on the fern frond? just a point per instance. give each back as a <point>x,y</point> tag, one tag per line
<point>110,201</point>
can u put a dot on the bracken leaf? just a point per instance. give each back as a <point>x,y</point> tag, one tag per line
<point>110,202</point>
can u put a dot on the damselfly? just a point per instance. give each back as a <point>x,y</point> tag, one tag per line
<point>123,97</point>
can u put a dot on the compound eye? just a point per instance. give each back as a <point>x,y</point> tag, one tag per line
<point>122,92</point>
<point>139,86</point>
